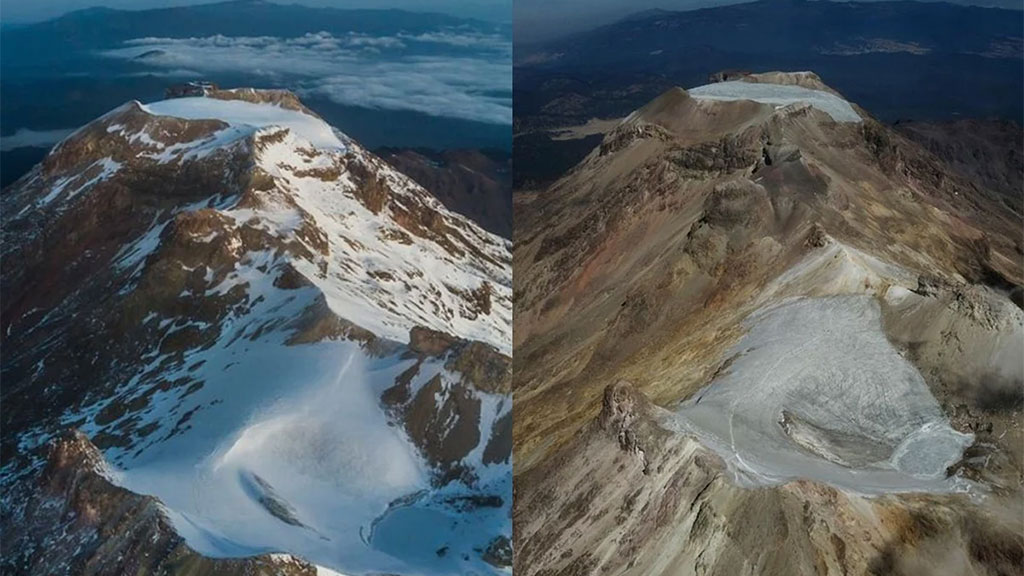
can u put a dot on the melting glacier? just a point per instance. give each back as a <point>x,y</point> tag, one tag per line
<point>815,390</point>
<point>780,95</point>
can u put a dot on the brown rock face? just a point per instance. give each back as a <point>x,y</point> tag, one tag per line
<point>483,367</point>
<point>480,364</point>
<point>499,552</point>
<point>728,75</point>
<point>443,418</point>
<point>445,431</point>
<point>430,342</point>
<point>373,192</point>
<point>988,153</point>
<point>190,90</point>
<point>499,448</point>
<point>626,417</point>
<point>621,407</point>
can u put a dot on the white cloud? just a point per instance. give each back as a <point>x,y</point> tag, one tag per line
<point>462,39</point>
<point>449,73</point>
<point>28,138</point>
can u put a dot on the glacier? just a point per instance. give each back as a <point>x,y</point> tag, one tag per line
<point>780,95</point>
<point>815,390</point>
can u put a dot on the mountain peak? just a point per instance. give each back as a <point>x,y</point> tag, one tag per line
<point>262,154</point>
<point>245,271</point>
<point>736,99</point>
<point>804,79</point>
<point>689,118</point>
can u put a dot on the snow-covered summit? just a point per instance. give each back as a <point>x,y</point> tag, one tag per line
<point>386,254</point>
<point>242,114</point>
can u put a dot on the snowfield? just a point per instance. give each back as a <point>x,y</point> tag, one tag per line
<point>286,449</point>
<point>305,463</point>
<point>780,95</point>
<point>815,390</point>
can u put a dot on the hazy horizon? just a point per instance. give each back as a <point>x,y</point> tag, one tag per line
<point>31,11</point>
<point>542,20</point>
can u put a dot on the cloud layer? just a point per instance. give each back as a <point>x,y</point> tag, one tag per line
<point>27,138</point>
<point>454,73</point>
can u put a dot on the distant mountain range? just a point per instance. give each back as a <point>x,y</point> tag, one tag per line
<point>542,20</point>
<point>899,59</point>
<point>101,27</point>
<point>922,61</point>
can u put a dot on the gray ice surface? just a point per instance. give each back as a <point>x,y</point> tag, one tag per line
<point>815,390</point>
<point>780,95</point>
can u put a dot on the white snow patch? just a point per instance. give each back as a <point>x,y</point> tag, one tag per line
<point>299,427</point>
<point>134,255</point>
<point>897,294</point>
<point>778,94</point>
<point>108,166</point>
<point>55,191</point>
<point>423,270</point>
<point>308,427</point>
<point>838,269</point>
<point>321,571</point>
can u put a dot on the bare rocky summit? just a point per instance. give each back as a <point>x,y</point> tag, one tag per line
<point>655,261</point>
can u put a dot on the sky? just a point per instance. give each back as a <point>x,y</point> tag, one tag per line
<point>19,11</point>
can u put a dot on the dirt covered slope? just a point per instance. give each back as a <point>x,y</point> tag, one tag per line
<point>669,257</point>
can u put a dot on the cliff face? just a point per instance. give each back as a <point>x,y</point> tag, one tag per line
<point>703,224</point>
<point>218,292</point>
